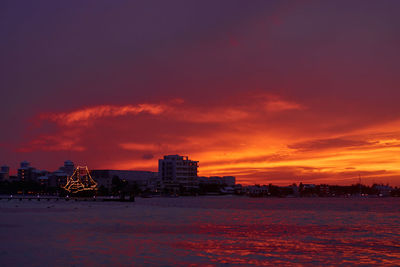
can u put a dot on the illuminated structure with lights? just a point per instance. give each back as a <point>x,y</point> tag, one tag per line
<point>80,181</point>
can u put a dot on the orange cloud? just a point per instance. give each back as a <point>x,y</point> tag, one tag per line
<point>212,115</point>
<point>177,110</point>
<point>92,113</point>
<point>277,105</point>
<point>332,143</point>
<point>257,137</point>
<point>139,146</point>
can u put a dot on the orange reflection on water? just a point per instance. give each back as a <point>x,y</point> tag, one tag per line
<point>204,231</point>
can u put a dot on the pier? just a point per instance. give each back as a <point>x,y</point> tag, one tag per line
<point>52,198</point>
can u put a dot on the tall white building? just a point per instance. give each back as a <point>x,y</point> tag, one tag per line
<point>178,173</point>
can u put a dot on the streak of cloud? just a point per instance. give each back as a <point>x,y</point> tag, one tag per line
<point>86,115</point>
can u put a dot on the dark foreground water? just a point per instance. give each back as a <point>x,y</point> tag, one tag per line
<point>219,231</point>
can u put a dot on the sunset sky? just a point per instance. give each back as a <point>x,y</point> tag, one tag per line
<point>268,91</point>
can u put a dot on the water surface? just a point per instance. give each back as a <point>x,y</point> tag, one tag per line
<point>201,231</point>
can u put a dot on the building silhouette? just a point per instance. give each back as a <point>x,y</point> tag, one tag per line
<point>68,167</point>
<point>178,174</point>
<point>143,179</point>
<point>25,172</point>
<point>4,173</point>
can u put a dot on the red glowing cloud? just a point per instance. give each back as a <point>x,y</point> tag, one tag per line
<point>88,114</point>
<point>252,142</point>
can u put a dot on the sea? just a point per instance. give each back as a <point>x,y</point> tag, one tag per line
<point>201,231</point>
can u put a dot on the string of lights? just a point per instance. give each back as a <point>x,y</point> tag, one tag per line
<point>80,180</point>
